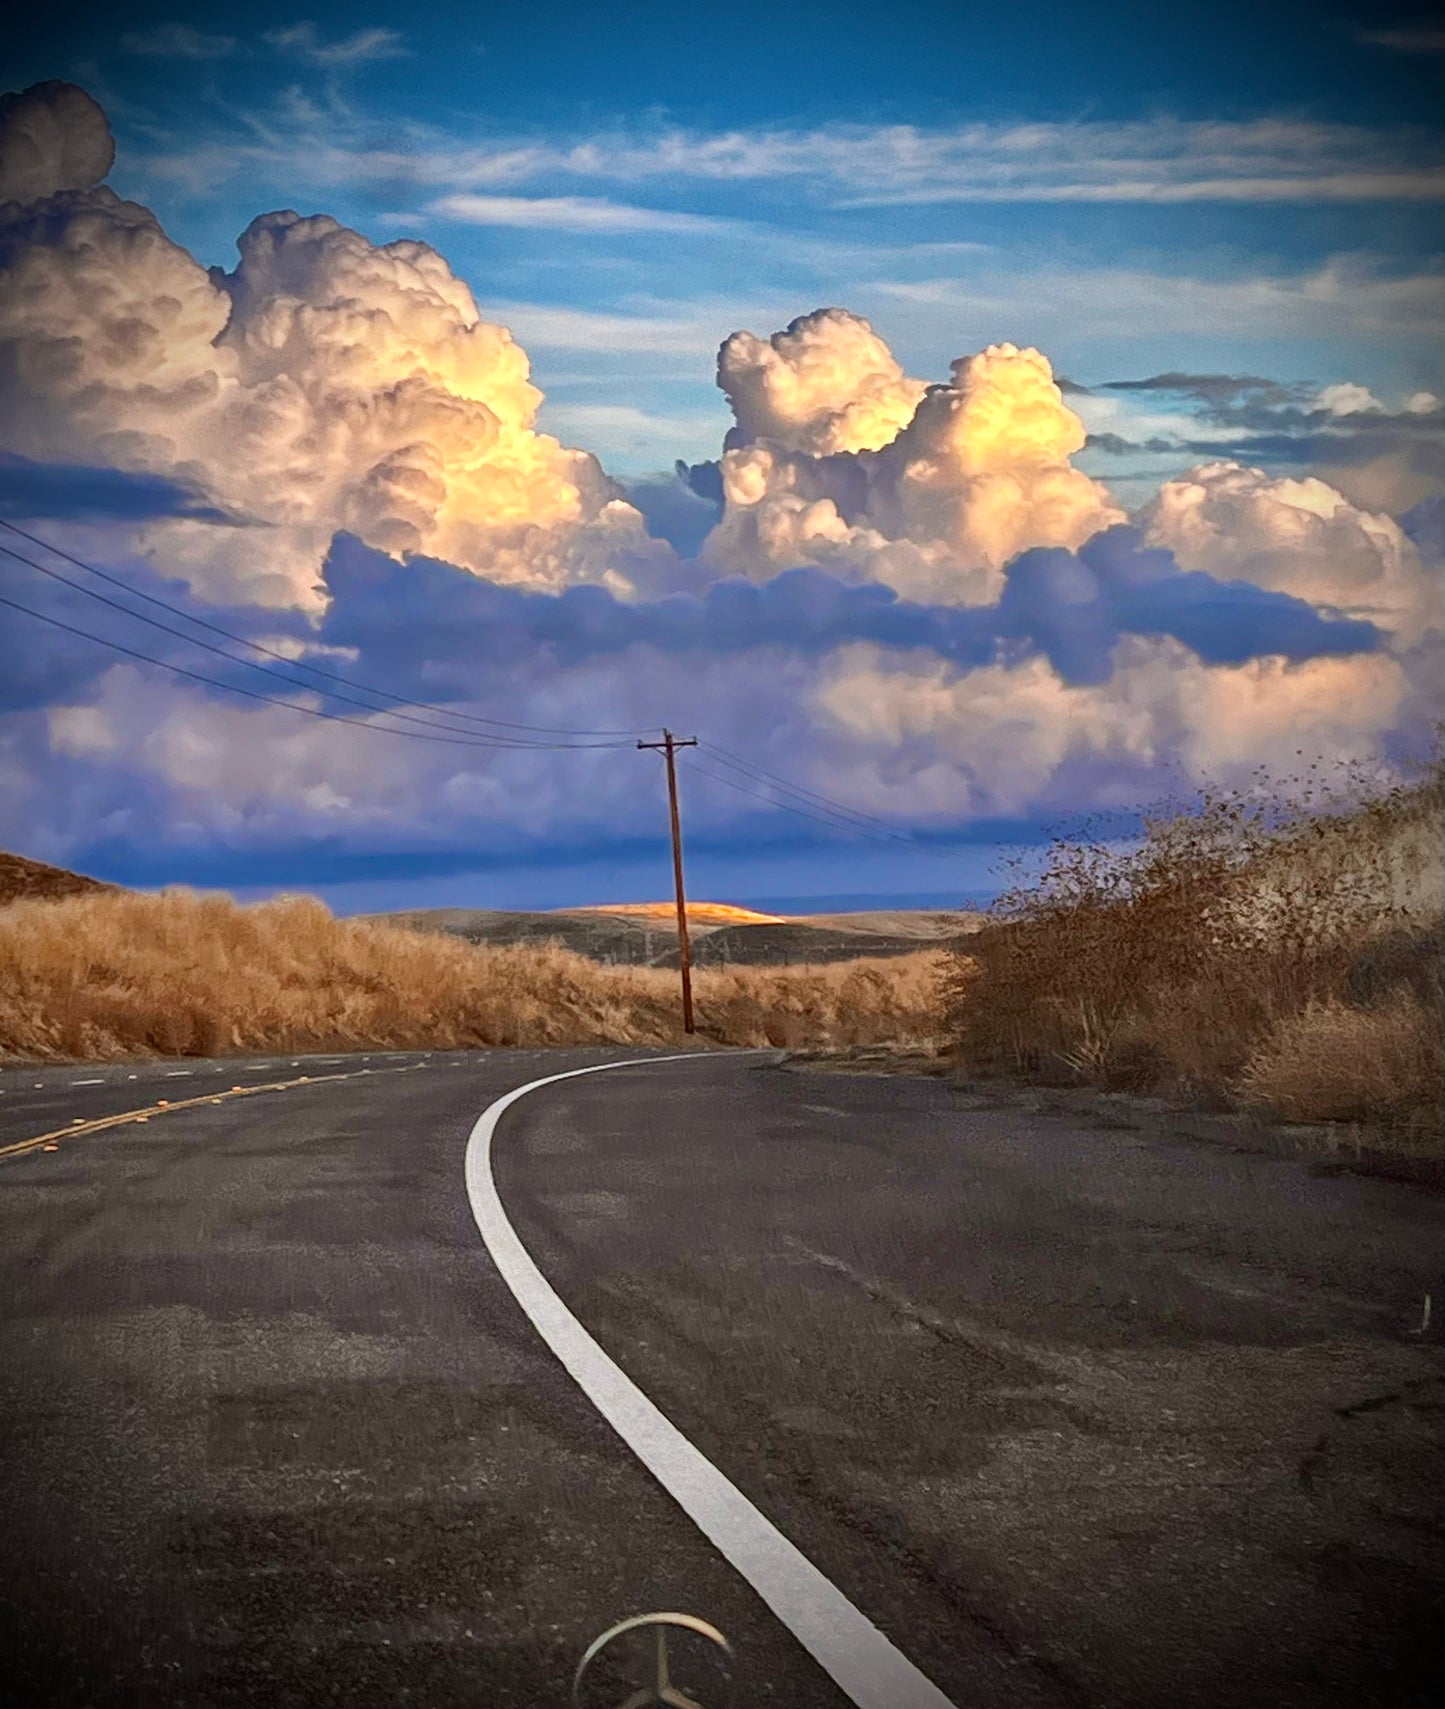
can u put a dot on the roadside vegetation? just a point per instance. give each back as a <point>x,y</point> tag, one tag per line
<point>1279,951</point>
<point>114,974</point>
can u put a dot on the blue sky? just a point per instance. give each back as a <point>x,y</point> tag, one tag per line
<point>624,187</point>
<point>1221,225</point>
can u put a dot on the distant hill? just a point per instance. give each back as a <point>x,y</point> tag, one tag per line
<point>644,934</point>
<point>23,880</point>
<point>615,940</point>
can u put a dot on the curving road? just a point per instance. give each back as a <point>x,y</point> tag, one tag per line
<point>1072,1414</point>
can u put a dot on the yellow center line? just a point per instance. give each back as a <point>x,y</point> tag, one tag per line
<point>77,1129</point>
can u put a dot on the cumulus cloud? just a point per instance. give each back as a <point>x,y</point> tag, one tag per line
<point>53,137</point>
<point>870,676</point>
<point>324,383</point>
<point>838,459</point>
<point>1347,398</point>
<point>1298,536</point>
<point>330,444</point>
<point>1001,740</point>
<point>828,383</point>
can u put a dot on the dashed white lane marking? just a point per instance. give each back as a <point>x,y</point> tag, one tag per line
<point>180,1074</point>
<point>845,1643</point>
<point>87,1082</point>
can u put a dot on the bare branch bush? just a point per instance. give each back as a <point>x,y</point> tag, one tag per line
<point>1191,958</point>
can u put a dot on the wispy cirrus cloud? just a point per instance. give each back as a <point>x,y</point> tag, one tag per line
<point>304,41</point>
<point>1346,296</point>
<point>1410,185</point>
<point>178,41</point>
<point>1426,36</point>
<point>686,330</point>
<point>1159,160</point>
<point>566,213</point>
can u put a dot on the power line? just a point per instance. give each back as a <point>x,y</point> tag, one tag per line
<point>892,839</point>
<point>735,762</point>
<point>266,670</point>
<point>806,803</point>
<point>289,705</point>
<point>784,806</point>
<point>270,652</point>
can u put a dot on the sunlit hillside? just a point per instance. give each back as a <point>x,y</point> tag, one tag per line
<point>698,913</point>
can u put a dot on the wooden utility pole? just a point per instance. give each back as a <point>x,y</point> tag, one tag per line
<point>669,746</point>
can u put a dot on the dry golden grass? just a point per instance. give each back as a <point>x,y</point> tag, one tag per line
<point>1246,951</point>
<point>116,974</point>
<point>1334,1062</point>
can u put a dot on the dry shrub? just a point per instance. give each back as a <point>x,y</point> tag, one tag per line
<point>1332,1062</point>
<point>1167,965</point>
<point>873,1000</point>
<point>117,974</point>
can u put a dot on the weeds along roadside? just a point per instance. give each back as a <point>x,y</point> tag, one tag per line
<point>114,974</point>
<point>1277,949</point>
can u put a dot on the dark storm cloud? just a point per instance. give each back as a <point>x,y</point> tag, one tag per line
<point>674,510</point>
<point>433,627</point>
<point>1074,606</point>
<point>1275,423</point>
<point>73,492</point>
<point>1213,389</point>
<point>434,632</point>
<point>1425,525</point>
<point>1115,445</point>
<point>76,626</point>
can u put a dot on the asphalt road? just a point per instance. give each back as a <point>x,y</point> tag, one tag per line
<point>1075,1414</point>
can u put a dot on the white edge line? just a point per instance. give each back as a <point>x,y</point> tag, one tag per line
<point>863,1662</point>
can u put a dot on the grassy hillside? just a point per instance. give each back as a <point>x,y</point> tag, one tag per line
<point>644,934</point>
<point>21,878</point>
<point>112,975</point>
